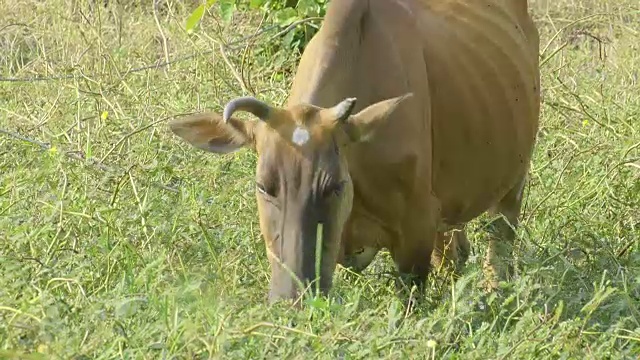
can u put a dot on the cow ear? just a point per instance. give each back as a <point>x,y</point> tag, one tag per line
<point>361,126</point>
<point>209,132</point>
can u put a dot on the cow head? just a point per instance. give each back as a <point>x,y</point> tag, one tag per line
<point>303,188</point>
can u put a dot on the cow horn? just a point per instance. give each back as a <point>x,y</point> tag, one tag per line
<point>343,110</point>
<point>249,104</point>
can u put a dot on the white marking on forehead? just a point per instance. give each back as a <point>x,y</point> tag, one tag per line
<point>300,136</point>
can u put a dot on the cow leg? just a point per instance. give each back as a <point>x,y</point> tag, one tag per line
<point>451,251</point>
<point>412,253</point>
<point>463,246</point>
<point>414,264</point>
<point>444,251</point>
<point>498,264</point>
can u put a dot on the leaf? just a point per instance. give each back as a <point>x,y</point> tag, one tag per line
<point>308,8</point>
<point>226,10</point>
<point>255,4</point>
<point>286,16</point>
<point>317,303</point>
<point>289,37</point>
<point>128,307</point>
<point>197,15</point>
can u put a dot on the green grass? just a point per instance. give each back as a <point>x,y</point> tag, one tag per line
<point>117,240</point>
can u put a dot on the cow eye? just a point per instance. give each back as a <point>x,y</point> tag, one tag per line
<point>359,251</point>
<point>336,189</point>
<point>265,190</point>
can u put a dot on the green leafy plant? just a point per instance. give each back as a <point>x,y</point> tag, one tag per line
<point>283,13</point>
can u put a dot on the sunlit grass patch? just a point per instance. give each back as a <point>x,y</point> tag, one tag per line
<point>117,240</point>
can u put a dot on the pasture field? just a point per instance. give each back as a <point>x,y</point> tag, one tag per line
<point>118,240</point>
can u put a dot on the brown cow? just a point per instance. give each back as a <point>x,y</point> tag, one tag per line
<point>442,130</point>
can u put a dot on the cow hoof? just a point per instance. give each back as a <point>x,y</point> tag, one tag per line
<point>496,271</point>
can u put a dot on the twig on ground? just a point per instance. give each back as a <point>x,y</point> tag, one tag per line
<point>13,24</point>
<point>233,70</point>
<point>624,250</point>
<point>137,131</point>
<point>164,38</point>
<point>44,146</point>
<point>293,25</point>
<point>252,328</point>
<point>234,45</point>
<point>245,53</point>
<point>80,156</point>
